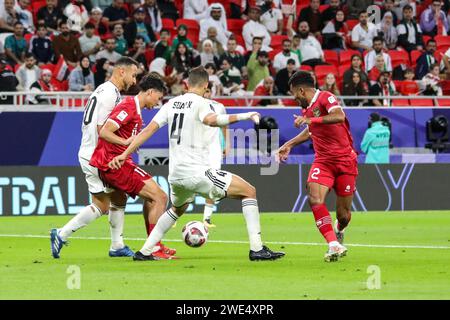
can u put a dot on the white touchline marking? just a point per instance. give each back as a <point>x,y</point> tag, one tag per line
<point>244,242</point>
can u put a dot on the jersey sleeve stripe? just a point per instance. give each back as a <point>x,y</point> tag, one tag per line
<point>335,107</point>
<point>114,122</point>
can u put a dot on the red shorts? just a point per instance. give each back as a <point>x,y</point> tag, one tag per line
<point>340,176</point>
<point>129,178</point>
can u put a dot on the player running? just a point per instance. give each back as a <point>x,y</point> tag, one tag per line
<point>100,104</point>
<point>123,124</point>
<point>189,118</point>
<point>335,165</point>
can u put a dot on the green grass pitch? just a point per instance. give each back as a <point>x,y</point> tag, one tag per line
<point>411,250</point>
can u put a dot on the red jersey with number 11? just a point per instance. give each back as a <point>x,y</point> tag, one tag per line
<point>127,117</point>
<point>332,142</point>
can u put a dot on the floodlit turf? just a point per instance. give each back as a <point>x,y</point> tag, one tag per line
<point>221,270</point>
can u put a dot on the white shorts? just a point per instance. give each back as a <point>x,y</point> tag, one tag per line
<point>95,184</point>
<point>212,185</point>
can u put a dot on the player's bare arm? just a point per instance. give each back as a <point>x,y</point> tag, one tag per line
<point>107,133</point>
<point>221,120</point>
<point>336,115</point>
<point>285,149</point>
<point>143,136</point>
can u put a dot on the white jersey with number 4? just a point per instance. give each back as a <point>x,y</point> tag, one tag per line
<point>189,139</point>
<point>100,104</point>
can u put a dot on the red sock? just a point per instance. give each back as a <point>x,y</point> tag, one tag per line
<point>339,225</point>
<point>323,222</point>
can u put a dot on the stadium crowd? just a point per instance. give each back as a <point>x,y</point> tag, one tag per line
<point>248,47</point>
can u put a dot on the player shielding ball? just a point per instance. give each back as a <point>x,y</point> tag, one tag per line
<point>189,118</point>
<point>335,165</point>
<point>124,123</point>
<point>104,201</point>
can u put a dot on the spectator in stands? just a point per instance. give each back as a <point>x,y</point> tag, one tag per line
<point>378,68</point>
<point>369,60</point>
<point>388,7</point>
<point>8,17</point>
<point>312,53</point>
<point>295,48</point>
<point>216,18</point>
<point>102,71</point>
<point>231,79</point>
<point>280,60</point>
<point>82,78</point>
<point>431,82</point>
<point>138,27</point>
<point>445,63</point>
<point>182,60</point>
<point>282,77</point>
<point>216,88</point>
<point>153,15</point>
<point>355,67</point>
<point>41,46</point>
<point>28,73</point>
<point>121,42</point>
<point>67,45</point>
<point>433,20</point>
<point>254,28</point>
<point>313,16</point>
<point>43,84</point>
<point>162,47</point>
<point>375,143</point>
<point>409,32</point>
<point>212,36</point>
<point>383,87</point>
<point>50,15</point>
<point>256,46</point>
<point>409,87</point>
<point>238,9</point>
<point>355,87</point>
<point>426,60</point>
<point>335,32</point>
<point>331,85</point>
<point>266,88</point>
<point>235,58</point>
<point>168,9</point>
<point>195,9</point>
<point>16,45</point>
<point>25,15</point>
<point>137,52</point>
<point>257,68</point>
<point>8,82</point>
<point>77,15</point>
<point>387,31</point>
<point>90,43</point>
<point>330,13</point>
<point>271,17</point>
<point>96,18</point>
<point>182,38</point>
<point>356,6</point>
<point>363,33</point>
<point>115,14</point>
<point>207,55</point>
<point>109,52</point>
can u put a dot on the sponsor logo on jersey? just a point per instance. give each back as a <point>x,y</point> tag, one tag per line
<point>122,115</point>
<point>316,112</point>
<point>347,188</point>
<point>331,99</point>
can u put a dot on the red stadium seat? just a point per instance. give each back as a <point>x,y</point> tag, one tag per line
<point>28,37</point>
<point>398,58</point>
<point>400,102</point>
<point>168,23</point>
<point>322,71</point>
<point>421,102</point>
<point>240,40</point>
<point>443,102</point>
<point>235,25</point>
<point>332,57</point>
<point>149,55</point>
<point>305,67</point>
<point>438,55</point>
<point>289,103</point>
<point>323,7</point>
<point>345,57</point>
<point>342,70</point>
<point>35,6</point>
<point>442,42</point>
<point>189,23</point>
<point>445,85</point>
<point>415,54</point>
<point>426,39</point>
<point>276,41</point>
<point>352,23</point>
<point>273,53</point>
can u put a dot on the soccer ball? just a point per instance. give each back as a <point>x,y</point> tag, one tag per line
<point>195,234</point>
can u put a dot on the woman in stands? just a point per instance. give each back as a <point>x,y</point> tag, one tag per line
<point>335,33</point>
<point>330,85</point>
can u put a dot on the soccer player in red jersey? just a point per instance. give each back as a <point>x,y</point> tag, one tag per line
<point>335,164</point>
<point>124,123</point>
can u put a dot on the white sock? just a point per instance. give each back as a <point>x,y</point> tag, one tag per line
<point>208,211</point>
<point>333,244</point>
<point>251,215</point>
<point>116,221</point>
<point>165,222</point>
<point>83,218</point>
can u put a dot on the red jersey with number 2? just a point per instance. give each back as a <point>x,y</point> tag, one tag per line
<point>332,142</point>
<point>127,117</point>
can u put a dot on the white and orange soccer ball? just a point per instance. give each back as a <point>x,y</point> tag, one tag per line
<point>195,234</point>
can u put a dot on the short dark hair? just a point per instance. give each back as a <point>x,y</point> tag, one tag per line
<point>374,117</point>
<point>377,38</point>
<point>407,7</point>
<point>286,40</point>
<point>211,65</point>
<point>41,25</point>
<point>198,76</point>
<point>64,21</point>
<point>126,62</point>
<point>431,40</point>
<point>29,55</point>
<point>152,81</point>
<point>361,12</point>
<point>357,56</point>
<point>165,30</point>
<point>89,25</point>
<point>257,38</point>
<point>301,78</point>
<point>18,22</point>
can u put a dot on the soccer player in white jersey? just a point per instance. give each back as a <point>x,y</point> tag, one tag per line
<point>104,200</point>
<point>189,118</point>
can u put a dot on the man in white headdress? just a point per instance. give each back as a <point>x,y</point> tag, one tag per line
<point>215,18</point>
<point>195,9</point>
